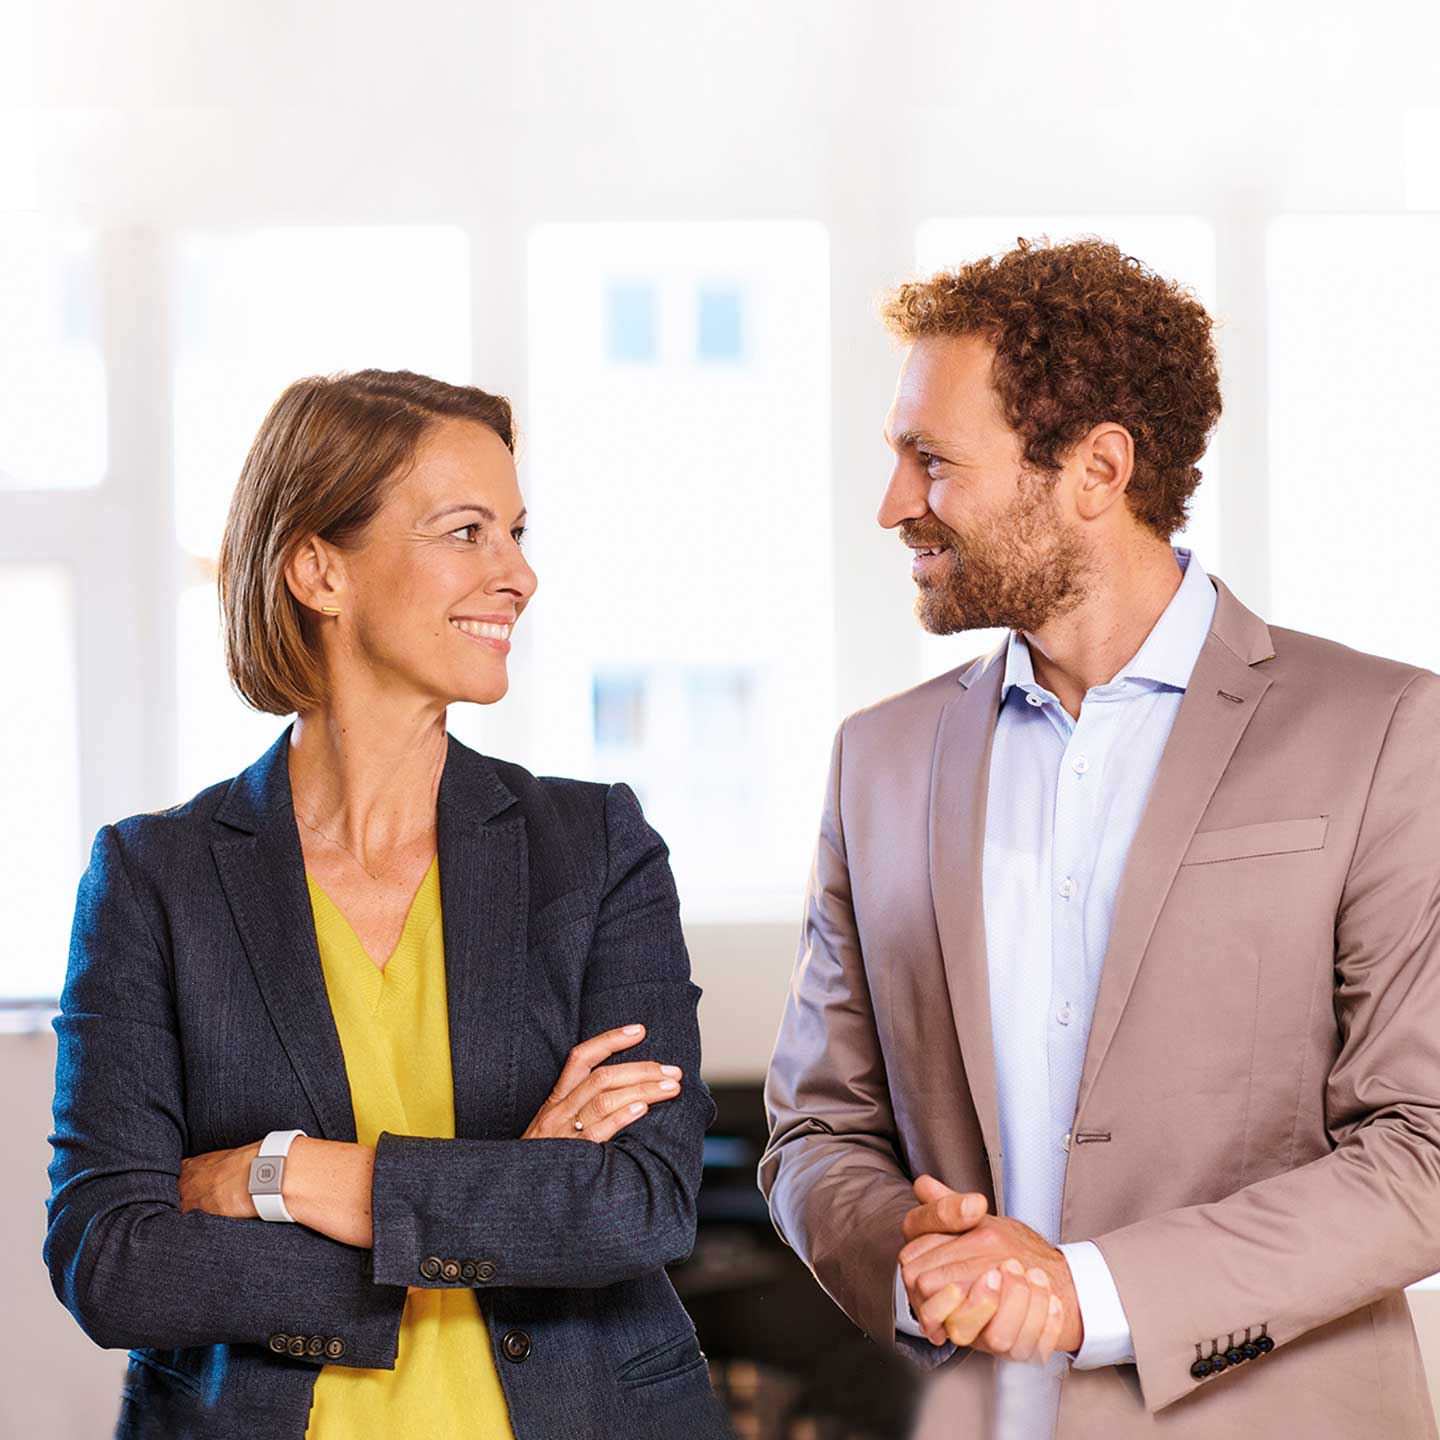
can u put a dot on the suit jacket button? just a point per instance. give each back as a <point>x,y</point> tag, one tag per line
<point>450,1270</point>
<point>1234,1355</point>
<point>467,1270</point>
<point>1264,1344</point>
<point>297,1345</point>
<point>334,1347</point>
<point>315,1345</point>
<point>430,1267</point>
<point>484,1269</point>
<point>1249,1349</point>
<point>1200,1369</point>
<point>279,1342</point>
<point>1218,1362</point>
<point>515,1345</point>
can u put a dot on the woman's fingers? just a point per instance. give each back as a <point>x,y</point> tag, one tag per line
<point>1027,1337</point>
<point>585,1056</point>
<point>610,1102</point>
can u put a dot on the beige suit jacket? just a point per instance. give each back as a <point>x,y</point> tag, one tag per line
<point>1257,1129</point>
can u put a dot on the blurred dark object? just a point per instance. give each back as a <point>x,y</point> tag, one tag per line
<point>783,1356</point>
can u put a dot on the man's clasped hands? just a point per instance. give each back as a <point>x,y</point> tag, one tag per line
<point>986,1281</point>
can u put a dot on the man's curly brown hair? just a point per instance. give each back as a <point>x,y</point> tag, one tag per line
<point>1084,333</point>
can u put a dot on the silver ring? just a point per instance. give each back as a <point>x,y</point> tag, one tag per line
<point>579,1124</point>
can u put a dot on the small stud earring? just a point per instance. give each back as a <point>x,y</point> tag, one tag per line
<point>330,609</point>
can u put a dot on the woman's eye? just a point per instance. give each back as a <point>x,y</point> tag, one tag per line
<point>473,525</point>
<point>519,534</point>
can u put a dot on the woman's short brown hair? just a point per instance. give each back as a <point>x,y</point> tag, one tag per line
<point>1084,333</point>
<point>322,463</point>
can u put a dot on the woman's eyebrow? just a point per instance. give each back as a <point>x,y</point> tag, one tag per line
<point>484,511</point>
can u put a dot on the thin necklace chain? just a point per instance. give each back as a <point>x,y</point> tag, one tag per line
<point>371,873</point>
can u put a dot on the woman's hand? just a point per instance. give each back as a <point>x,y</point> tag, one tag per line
<point>326,1186</point>
<point>603,1098</point>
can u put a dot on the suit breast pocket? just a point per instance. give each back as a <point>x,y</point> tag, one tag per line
<point>1266,837</point>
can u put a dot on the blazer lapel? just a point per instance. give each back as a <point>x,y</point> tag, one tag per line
<point>483,870</point>
<point>1219,702</point>
<point>959,783</point>
<point>484,901</point>
<point>262,870</point>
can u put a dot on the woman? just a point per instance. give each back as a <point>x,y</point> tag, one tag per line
<point>451,1000</point>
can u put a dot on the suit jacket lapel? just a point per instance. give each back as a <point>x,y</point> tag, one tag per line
<point>484,866</point>
<point>483,909</point>
<point>262,870</point>
<point>1219,702</point>
<point>959,781</point>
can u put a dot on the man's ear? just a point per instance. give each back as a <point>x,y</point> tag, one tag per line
<point>1105,459</point>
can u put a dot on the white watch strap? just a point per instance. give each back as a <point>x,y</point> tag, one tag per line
<point>275,1146</point>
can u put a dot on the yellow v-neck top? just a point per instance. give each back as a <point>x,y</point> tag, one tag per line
<point>395,1034</point>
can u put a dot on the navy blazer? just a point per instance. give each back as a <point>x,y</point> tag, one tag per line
<point>195,1017</point>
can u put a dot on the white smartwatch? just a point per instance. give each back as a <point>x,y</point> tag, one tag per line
<point>267,1170</point>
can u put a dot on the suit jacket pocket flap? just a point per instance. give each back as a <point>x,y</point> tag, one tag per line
<point>1268,837</point>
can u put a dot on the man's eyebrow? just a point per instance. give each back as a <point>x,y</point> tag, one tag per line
<point>484,511</point>
<point>914,440</point>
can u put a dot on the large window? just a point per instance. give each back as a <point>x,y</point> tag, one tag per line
<point>679,488</point>
<point>1178,247</point>
<point>1354,430</point>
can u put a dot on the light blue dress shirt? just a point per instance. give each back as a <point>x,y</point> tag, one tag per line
<point>1065,798</point>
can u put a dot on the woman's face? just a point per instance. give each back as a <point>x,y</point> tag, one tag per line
<point>439,579</point>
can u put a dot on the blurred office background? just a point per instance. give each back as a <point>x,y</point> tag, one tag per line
<point>661,229</point>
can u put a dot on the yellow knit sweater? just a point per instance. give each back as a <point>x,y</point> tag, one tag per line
<point>395,1033</point>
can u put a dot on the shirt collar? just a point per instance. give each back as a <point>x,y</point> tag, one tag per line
<point>1169,651</point>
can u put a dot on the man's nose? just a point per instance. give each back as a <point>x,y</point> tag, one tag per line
<point>904,498</point>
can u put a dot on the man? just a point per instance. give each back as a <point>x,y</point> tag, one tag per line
<point>1119,979</point>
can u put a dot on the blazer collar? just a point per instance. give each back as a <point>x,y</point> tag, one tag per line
<point>482,839</point>
<point>1222,696</point>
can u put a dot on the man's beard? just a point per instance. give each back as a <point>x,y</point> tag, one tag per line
<point>1017,571</point>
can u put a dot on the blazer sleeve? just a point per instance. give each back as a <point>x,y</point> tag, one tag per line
<point>831,1175</point>
<point>1302,1248</point>
<point>553,1212</point>
<point>129,1265</point>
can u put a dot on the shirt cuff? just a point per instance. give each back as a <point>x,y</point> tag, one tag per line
<point>1107,1332</point>
<point>903,1318</point>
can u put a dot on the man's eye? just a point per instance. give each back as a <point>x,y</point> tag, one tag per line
<point>927,459</point>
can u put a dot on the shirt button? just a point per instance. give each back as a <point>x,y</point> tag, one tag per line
<point>1065,1014</point>
<point>1067,887</point>
<point>1065,1143</point>
<point>1033,698</point>
<point>1081,765</point>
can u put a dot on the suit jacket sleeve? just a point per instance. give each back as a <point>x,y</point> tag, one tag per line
<point>571,1212</point>
<point>1307,1246</point>
<point>830,1173</point>
<point>129,1265</point>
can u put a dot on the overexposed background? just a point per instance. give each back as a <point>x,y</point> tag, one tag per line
<point>661,229</point>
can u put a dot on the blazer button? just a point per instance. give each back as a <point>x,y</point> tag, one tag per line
<point>279,1342</point>
<point>450,1270</point>
<point>467,1270</point>
<point>315,1345</point>
<point>334,1347</point>
<point>515,1345</point>
<point>430,1267</point>
<point>297,1345</point>
<point>484,1269</point>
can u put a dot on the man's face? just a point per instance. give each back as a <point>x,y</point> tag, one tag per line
<point>1007,556</point>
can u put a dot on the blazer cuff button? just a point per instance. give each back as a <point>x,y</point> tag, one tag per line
<point>430,1267</point>
<point>450,1270</point>
<point>334,1347</point>
<point>279,1342</point>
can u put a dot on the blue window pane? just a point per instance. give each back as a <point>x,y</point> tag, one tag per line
<point>719,333</point>
<point>630,323</point>
<point>619,702</point>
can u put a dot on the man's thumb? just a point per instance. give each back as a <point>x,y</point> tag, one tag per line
<point>928,1190</point>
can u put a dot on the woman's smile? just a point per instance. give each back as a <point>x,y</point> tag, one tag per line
<point>493,631</point>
